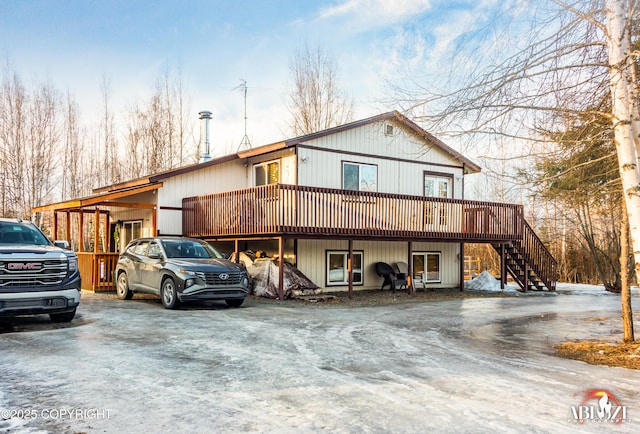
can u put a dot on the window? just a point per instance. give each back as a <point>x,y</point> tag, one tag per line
<point>141,248</point>
<point>132,231</point>
<point>267,173</point>
<point>359,177</point>
<point>337,272</point>
<point>154,249</point>
<point>388,130</point>
<point>426,267</point>
<point>436,185</point>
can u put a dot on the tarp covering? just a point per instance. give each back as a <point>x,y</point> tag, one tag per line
<point>264,273</point>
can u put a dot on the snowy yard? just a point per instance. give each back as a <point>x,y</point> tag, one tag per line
<point>463,365</point>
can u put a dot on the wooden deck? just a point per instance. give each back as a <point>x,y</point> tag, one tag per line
<point>292,211</point>
<point>301,211</point>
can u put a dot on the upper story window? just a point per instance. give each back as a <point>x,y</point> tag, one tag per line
<point>438,185</point>
<point>267,173</point>
<point>360,177</point>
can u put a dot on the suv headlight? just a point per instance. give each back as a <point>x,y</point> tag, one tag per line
<point>73,263</point>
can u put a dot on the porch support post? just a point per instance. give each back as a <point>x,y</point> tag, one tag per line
<point>461,267</point>
<point>55,225</point>
<point>68,231</point>
<point>107,232</point>
<point>350,268</point>
<point>236,250</point>
<point>96,231</point>
<point>410,287</point>
<point>80,231</point>
<point>154,222</point>
<point>281,268</point>
<point>503,266</point>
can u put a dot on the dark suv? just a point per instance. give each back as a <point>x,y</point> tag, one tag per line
<point>179,269</point>
<point>36,275</point>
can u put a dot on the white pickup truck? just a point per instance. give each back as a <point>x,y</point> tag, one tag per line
<point>36,275</point>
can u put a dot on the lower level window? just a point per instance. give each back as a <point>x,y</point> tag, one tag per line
<point>426,267</point>
<point>337,270</point>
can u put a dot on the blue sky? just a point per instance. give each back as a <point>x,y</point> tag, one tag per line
<point>77,43</point>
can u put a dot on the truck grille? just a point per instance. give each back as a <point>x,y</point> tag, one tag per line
<point>214,279</point>
<point>32,272</point>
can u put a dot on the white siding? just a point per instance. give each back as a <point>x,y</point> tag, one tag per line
<point>311,258</point>
<point>402,160</point>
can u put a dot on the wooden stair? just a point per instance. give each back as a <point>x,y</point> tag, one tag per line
<point>529,262</point>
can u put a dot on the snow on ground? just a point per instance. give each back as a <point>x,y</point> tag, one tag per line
<point>478,365</point>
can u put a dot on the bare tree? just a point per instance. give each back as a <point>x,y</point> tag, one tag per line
<point>571,57</point>
<point>316,101</point>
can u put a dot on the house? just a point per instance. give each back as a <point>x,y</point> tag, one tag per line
<point>333,203</point>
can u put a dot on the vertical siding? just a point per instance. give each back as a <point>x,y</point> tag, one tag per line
<point>403,174</point>
<point>312,260</point>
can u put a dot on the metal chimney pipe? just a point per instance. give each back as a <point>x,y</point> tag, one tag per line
<point>205,117</point>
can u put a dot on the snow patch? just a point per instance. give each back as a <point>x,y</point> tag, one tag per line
<point>485,282</point>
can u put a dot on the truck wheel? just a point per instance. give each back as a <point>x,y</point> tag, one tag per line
<point>169,294</point>
<point>122,287</point>
<point>234,302</point>
<point>62,317</point>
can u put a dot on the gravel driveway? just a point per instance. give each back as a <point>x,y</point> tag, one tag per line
<point>415,365</point>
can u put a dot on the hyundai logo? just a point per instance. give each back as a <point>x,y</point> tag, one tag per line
<point>223,276</point>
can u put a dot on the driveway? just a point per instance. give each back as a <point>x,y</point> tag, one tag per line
<point>468,365</point>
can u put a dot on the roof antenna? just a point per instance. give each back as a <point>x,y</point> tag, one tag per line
<point>245,143</point>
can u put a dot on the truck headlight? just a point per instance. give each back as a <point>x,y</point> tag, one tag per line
<point>73,264</point>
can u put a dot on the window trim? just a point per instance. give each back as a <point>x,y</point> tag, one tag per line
<point>425,255</point>
<point>359,164</point>
<point>266,165</point>
<point>345,254</point>
<point>429,174</point>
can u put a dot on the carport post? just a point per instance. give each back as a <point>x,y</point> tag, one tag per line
<point>236,250</point>
<point>68,232</point>
<point>55,225</point>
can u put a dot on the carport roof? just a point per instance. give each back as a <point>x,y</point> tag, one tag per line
<point>109,198</point>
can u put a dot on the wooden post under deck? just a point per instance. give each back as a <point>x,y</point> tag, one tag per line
<point>350,268</point>
<point>236,250</point>
<point>503,266</point>
<point>461,267</point>
<point>154,222</point>
<point>410,287</point>
<point>281,268</point>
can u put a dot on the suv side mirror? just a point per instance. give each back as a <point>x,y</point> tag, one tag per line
<point>155,255</point>
<point>63,244</point>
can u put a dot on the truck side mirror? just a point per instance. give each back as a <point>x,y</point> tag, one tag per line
<point>63,244</point>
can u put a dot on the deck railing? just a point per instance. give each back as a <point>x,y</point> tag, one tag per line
<point>310,211</point>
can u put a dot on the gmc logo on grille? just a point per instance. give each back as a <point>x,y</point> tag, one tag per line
<point>23,266</point>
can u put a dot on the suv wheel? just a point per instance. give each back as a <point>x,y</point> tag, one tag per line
<point>122,287</point>
<point>62,317</point>
<point>234,302</point>
<point>169,294</point>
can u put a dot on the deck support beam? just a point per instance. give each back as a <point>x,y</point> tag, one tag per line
<point>461,267</point>
<point>281,268</point>
<point>410,288</point>
<point>350,268</point>
<point>503,266</point>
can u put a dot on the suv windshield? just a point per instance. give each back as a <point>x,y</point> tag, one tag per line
<point>21,233</point>
<point>189,249</point>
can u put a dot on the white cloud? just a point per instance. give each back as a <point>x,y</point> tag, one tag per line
<point>373,13</point>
